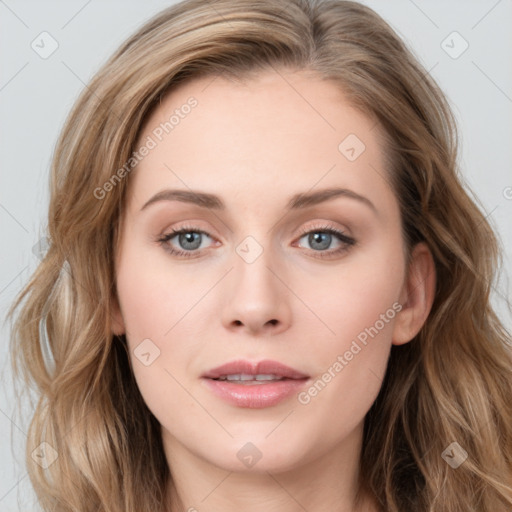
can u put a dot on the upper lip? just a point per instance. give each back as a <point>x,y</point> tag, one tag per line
<point>266,367</point>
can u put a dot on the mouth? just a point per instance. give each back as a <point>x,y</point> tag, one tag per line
<point>251,380</point>
<point>254,385</point>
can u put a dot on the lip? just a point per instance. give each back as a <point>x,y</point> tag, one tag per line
<point>255,396</point>
<point>262,367</point>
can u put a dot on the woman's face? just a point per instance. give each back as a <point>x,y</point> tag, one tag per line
<point>260,272</point>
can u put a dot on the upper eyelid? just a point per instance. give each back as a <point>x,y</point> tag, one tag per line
<point>326,225</point>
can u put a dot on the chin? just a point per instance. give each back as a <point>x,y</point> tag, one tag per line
<point>256,453</point>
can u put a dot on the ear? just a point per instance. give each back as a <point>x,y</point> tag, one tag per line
<point>118,327</point>
<point>417,295</point>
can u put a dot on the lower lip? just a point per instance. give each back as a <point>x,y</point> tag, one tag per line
<point>255,396</point>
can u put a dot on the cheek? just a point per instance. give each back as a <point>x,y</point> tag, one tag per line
<point>359,305</point>
<point>352,355</point>
<point>356,295</point>
<point>153,295</point>
<point>160,305</point>
<point>151,308</point>
<point>350,375</point>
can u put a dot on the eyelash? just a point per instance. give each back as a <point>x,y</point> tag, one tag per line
<point>346,240</point>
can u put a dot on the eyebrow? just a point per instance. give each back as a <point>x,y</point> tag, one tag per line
<point>296,202</point>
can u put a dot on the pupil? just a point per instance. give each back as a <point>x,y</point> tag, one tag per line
<point>188,238</point>
<point>317,238</point>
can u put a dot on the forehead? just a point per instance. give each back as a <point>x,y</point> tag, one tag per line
<point>275,134</point>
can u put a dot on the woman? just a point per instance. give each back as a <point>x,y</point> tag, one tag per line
<point>329,343</point>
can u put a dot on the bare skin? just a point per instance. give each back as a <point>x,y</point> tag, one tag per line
<point>255,145</point>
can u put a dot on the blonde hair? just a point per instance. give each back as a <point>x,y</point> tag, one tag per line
<point>452,383</point>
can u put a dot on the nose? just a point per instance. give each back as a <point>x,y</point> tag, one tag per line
<point>257,301</point>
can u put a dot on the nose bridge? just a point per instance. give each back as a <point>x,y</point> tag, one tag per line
<point>252,267</point>
<point>257,298</point>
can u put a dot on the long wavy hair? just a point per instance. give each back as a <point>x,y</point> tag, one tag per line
<point>452,383</point>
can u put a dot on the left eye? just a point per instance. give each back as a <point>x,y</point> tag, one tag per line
<point>188,238</point>
<point>321,238</point>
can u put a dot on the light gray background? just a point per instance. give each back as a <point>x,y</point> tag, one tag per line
<point>36,94</point>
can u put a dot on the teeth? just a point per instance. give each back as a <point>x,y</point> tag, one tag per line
<point>246,377</point>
